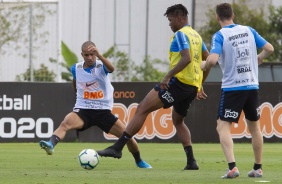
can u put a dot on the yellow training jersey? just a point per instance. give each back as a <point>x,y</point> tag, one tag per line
<point>182,39</point>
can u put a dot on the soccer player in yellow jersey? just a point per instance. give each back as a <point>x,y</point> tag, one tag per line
<point>181,85</point>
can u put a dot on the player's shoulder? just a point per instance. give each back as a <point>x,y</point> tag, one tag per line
<point>217,35</point>
<point>99,63</point>
<point>244,26</point>
<point>78,64</point>
<point>248,29</point>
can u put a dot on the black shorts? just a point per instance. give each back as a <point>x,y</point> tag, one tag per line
<point>233,102</point>
<point>178,95</point>
<point>104,119</point>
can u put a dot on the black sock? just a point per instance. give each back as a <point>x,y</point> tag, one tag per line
<point>137,157</point>
<point>122,141</point>
<point>257,166</point>
<point>54,140</point>
<point>189,154</point>
<point>231,165</point>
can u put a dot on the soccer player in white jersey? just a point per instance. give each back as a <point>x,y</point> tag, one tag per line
<point>94,102</point>
<point>234,47</point>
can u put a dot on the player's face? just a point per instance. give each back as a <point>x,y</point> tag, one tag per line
<point>173,22</point>
<point>88,57</point>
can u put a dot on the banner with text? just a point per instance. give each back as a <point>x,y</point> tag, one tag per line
<point>30,112</point>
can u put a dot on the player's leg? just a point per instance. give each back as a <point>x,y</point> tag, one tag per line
<point>226,141</point>
<point>252,117</point>
<point>150,103</point>
<point>257,143</point>
<point>257,139</point>
<point>117,130</point>
<point>183,96</point>
<point>71,121</point>
<point>184,136</point>
<point>229,110</point>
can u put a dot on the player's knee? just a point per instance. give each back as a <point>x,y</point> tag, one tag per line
<point>142,109</point>
<point>218,129</point>
<point>66,125</point>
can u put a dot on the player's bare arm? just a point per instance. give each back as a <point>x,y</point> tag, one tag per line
<point>210,62</point>
<point>110,68</point>
<point>206,72</point>
<point>201,95</point>
<point>267,50</point>
<point>183,62</point>
<point>74,84</point>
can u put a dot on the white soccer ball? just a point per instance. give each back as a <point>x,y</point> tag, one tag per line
<point>88,159</point>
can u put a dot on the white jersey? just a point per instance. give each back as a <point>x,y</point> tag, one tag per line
<point>94,90</point>
<point>238,61</point>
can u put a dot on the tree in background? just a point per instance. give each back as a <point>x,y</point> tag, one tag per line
<point>40,75</point>
<point>275,26</point>
<point>15,33</point>
<point>147,71</point>
<point>269,29</point>
<point>121,62</point>
<point>70,58</point>
<point>128,71</point>
<point>15,23</point>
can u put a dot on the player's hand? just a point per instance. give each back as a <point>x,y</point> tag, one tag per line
<point>94,49</point>
<point>164,83</point>
<point>201,95</point>
<point>259,60</point>
<point>203,64</point>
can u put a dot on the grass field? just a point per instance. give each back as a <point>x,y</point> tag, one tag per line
<point>26,163</point>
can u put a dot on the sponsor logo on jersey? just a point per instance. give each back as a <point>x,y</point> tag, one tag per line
<point>93,94</point>
<point>234,37</point>
<point>99,66</point>
<point>242,53</point>
<point>235,43</point>
<point>90,83</point>
<point>243,69</point>
<point>244,81</point>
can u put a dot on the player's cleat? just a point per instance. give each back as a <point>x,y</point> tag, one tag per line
<point>255,173</point>
<point>47,146</point>
<point>234,173</point>
<point>110,152</point>
<point>143,164</point>
<point>192,166</point>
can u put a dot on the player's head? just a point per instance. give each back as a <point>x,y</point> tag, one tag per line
<point>177,10</point>
<point>86,44</point>
<point>177,16</point>
<point>88,56</point>
<point>224,12</point>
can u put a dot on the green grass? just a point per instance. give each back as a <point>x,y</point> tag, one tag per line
<point>26,163</point>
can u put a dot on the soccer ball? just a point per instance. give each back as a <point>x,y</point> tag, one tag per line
<point>88,159</point>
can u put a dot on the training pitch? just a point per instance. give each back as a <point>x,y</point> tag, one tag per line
<point>26,163</point>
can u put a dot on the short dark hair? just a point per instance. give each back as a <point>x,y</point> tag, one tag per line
<point>224,11</point>
<point>176,10</point>
<point>87,44</point>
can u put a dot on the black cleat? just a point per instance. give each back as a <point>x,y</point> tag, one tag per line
<point>192,166</point>
<point>110,152</point>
